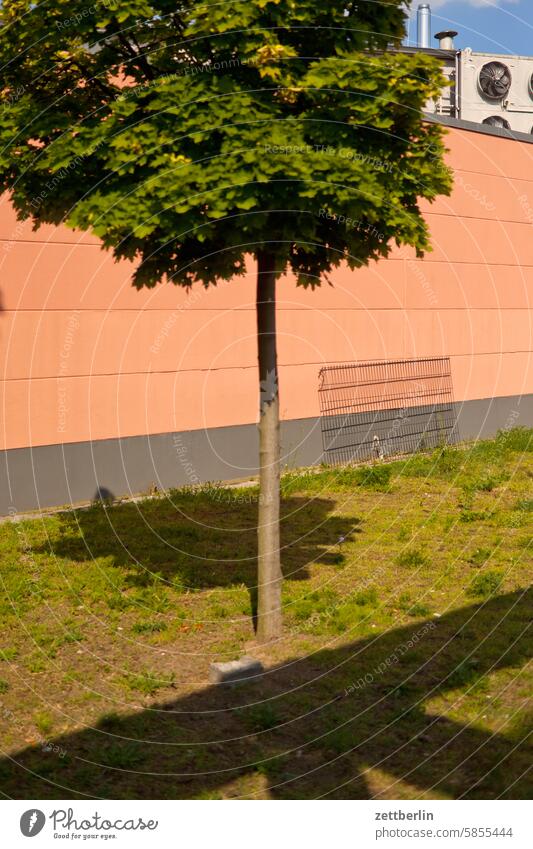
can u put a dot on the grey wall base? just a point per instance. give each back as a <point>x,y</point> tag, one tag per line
<point>55,475</point>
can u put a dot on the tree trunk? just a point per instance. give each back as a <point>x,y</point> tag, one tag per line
<point>269,620</point>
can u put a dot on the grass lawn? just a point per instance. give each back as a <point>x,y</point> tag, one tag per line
<point>402,672</point>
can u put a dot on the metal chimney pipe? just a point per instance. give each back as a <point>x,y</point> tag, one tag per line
<point>445,39</point>
<point>423,18</point>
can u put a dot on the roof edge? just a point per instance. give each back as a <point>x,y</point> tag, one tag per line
<point>472,127</point>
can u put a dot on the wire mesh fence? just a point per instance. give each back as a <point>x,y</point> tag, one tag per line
<point>386,408</point>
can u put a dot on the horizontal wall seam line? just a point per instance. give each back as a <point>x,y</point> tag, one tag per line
<point>226,310</point>
<point>234,368</point>
<point>10,240</point>
<point>499,176</point>
<point>455,216</point>
<point>427,259</point>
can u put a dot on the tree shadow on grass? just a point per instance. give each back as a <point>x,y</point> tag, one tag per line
<point>201,539</point>
<point>348,722</point>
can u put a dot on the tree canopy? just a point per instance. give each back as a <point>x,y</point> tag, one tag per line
<point>187,135</point>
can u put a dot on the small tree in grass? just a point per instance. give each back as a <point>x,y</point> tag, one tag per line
<point>188,137</point>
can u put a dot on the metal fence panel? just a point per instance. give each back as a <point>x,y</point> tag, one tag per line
<point>386,408</point>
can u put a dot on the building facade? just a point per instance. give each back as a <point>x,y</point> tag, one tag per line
<point>106,390</point>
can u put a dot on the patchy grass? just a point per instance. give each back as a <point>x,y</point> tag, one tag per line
<point>148,683</point>
<point>486,584</point>
<point>412,558</point>
<point>374,477</point>
<point>148,627</point>
<point>402,669</point>
<point>479,556</point>
<point>259,717</point>
<point>43,722</point>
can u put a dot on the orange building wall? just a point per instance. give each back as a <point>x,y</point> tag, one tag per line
<point>84,356</point>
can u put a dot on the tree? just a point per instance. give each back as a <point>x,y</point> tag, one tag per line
<point>189,137</point>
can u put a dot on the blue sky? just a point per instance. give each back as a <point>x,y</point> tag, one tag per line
<point>494,26</point>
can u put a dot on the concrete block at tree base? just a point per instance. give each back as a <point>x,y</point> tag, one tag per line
<point>244,669</point>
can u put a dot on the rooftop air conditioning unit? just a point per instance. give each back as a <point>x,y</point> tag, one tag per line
<point>487,85</point>
<point>497,121</point>
<point>517,106</point>
<point>495,90</point>
<point>495,80</point>
<point>520,98</point>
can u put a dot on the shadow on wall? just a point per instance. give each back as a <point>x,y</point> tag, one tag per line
<point>315,726</point>
<point>104,495</point>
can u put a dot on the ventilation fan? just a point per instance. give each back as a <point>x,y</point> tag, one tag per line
<point>495,80</point>
<point>496,121</point>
